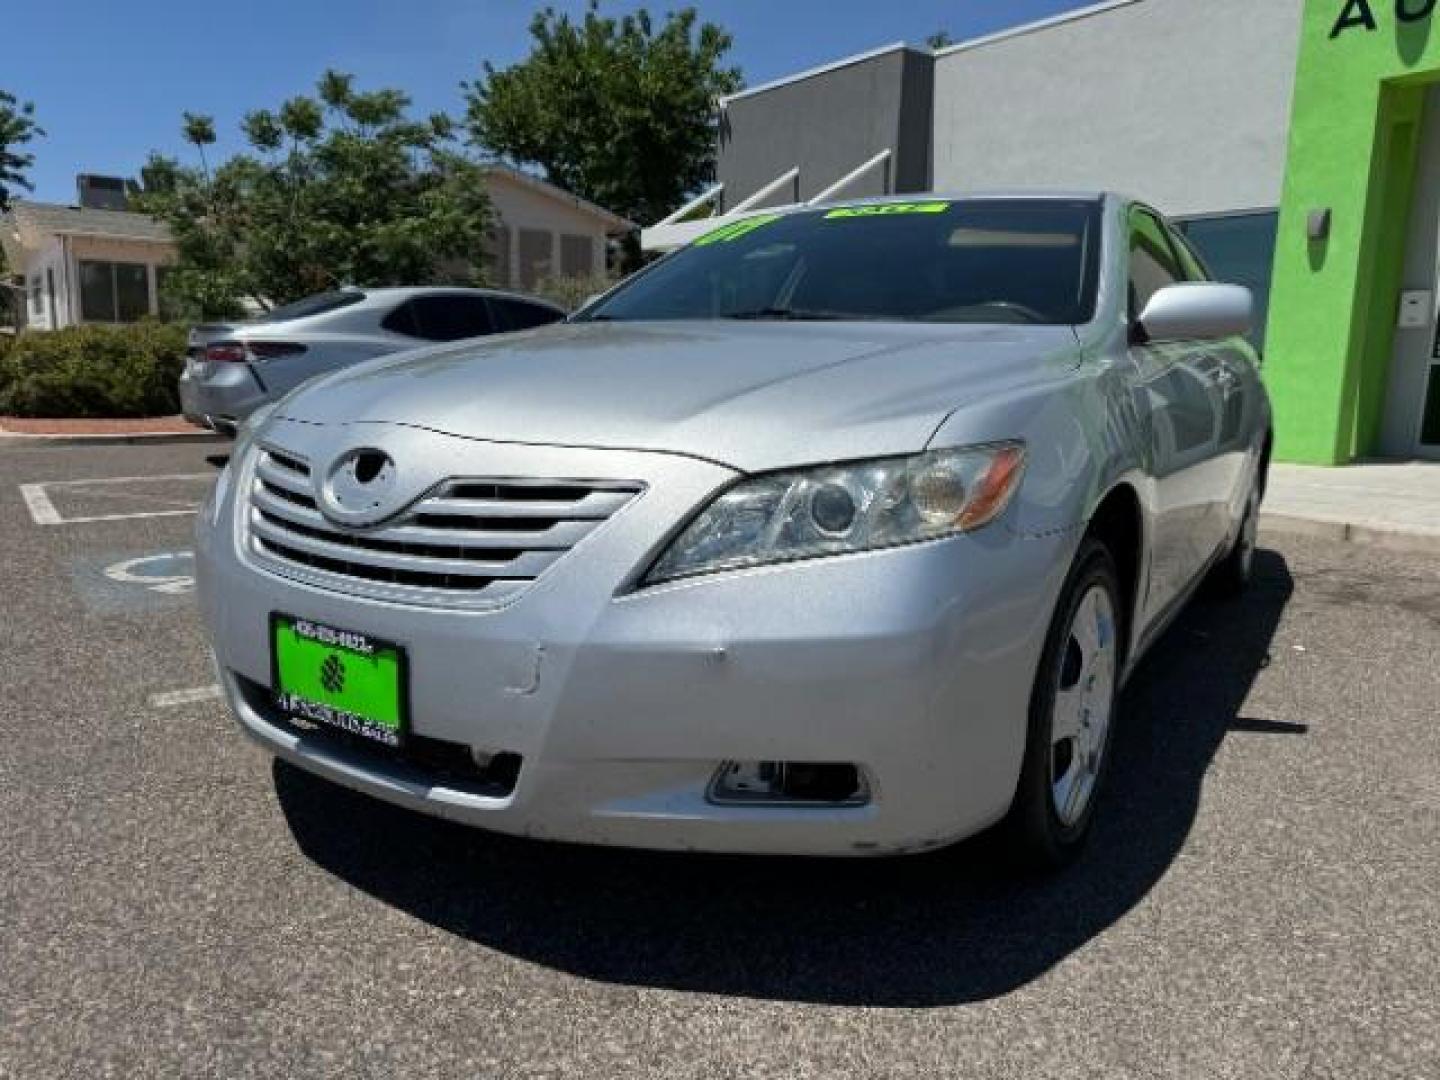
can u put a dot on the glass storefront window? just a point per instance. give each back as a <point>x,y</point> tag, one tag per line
<point>1239,250</point>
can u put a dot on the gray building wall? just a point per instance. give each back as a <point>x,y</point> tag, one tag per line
<point>829,123</point>
<point>1184,103</point>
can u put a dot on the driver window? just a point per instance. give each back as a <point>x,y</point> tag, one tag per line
<point>1153,264</point>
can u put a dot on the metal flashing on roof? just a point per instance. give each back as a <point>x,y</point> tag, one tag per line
<point>1035,27</point>
<point>824,69</point>
<point>539,183</point>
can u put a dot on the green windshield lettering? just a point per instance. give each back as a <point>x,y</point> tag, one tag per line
<point>736,229</point>
<point>887,209</point>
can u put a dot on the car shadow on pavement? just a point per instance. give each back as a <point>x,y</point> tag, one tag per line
<point>941,929</point>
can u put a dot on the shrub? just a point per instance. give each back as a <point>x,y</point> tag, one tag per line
<point>571,292</point>
<point>93,371</point>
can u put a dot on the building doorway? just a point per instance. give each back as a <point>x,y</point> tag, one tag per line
<point>1412,411</point>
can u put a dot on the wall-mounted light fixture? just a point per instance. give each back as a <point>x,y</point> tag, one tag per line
<point>1317,225</point>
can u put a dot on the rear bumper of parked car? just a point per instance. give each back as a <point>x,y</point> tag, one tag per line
<point>219,396</point>
<point>914,664</point>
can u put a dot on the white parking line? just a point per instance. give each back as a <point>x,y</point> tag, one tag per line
<point>171,698</point>
<point>42,507</point>
<point>39,504</point>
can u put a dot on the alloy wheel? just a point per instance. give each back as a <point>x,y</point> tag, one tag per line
<point>1084,703</point>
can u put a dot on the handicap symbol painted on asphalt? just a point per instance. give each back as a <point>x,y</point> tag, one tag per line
<point>120,582</point>
<point>170,573</point>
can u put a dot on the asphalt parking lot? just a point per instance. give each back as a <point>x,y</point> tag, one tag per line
<point>1259,901</point>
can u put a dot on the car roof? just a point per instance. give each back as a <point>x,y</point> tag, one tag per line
<point>406,292</point>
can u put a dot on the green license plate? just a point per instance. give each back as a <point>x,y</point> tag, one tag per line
<point>345,680</point>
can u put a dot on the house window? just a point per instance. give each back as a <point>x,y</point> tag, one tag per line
<point>497,256</point>
<point>577,256</point>
<point>114,292</point>
<point>1239,249</point>
<point>535,257</point>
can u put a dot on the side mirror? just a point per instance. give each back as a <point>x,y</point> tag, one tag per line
<point>1199,311</point>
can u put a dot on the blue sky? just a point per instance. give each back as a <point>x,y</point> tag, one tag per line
<point>110,79</point>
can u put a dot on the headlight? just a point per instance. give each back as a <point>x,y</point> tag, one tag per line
<point>840,509</point>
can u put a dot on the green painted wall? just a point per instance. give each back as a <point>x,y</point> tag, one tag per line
<point>1358,98</point>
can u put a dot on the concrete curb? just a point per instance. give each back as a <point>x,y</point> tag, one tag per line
<point>1389,537</point>
<point>137,438</point>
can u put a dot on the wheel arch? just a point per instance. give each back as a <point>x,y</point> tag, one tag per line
<point>1119,523</point>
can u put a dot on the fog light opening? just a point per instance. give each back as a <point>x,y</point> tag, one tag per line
<point>790,783</point>
<point>497,767</point>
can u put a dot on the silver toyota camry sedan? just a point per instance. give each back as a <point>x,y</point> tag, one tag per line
<point>835,533</point>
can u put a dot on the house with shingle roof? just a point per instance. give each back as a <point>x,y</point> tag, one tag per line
<point>100,263</point>
<point>84,264</point>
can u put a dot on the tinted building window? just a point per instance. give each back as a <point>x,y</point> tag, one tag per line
<point>114,292</point>
<point>1239,250</point>
<point>97,292</point>
<point>132,292</point>
<point>1430,422</point>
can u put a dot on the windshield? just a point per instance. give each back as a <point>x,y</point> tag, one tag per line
<point>938,261</point>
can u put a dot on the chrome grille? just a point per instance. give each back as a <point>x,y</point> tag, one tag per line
<point>467,543</point>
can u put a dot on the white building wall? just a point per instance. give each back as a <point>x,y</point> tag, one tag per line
<point>103,249</point>
<point>42,312</point>
<point>517,206</point>
<point>1183,103</point>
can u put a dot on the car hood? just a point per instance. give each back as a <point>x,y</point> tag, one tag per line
<point>754,396</point>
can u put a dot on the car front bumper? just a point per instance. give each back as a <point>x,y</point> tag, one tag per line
<point>913,663</point>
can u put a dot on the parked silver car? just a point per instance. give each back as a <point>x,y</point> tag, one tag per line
<point>837,532</point>
<point>231,369</point>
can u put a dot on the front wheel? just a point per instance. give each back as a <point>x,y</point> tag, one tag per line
<point>1072,712</point>
<point>1232,575</point>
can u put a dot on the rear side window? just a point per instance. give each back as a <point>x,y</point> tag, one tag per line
<point>518,315</point>
<point>402,320</point>
<point>1153,262</point>
<point>441,318</point>
<point>319,304</point>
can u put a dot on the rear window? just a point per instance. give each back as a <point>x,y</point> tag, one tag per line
<point>519,315</point>
<point>312,305</point>
<point>932,260</point>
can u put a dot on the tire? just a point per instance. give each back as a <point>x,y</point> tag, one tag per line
<point>1072,716</point>
<point>1234,573</point>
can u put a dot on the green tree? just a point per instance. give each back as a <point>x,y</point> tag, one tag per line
<point>342,188</point>
<point>941,39</point>
<point>17,127</point>
<point>199,132</point>
<point>619,112</point>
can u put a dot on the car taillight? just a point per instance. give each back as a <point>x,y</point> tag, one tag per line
<point>271,350</point>
<point>225,352</point>
<point>237,352</point>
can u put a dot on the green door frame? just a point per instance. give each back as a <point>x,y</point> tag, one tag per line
<point>1359,98</point>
